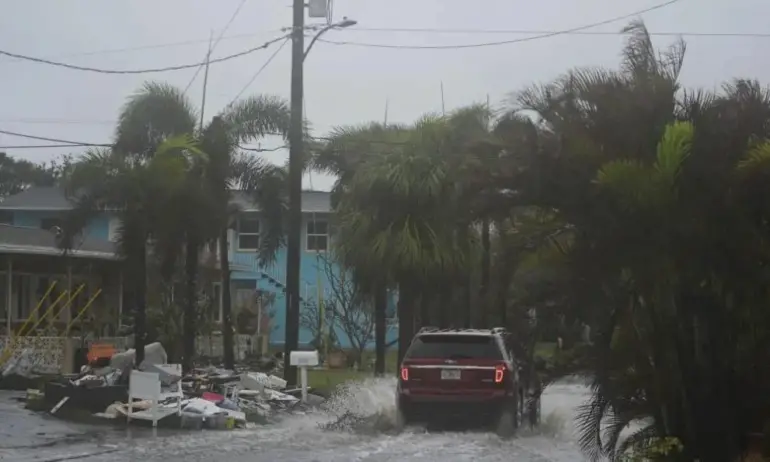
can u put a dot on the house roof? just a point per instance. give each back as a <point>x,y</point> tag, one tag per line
<point>53,198</point>
<point>37,198</point>
<point>36,241</point>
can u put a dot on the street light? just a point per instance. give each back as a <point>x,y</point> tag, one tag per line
<point>296,163</point>
<point>339,25</point>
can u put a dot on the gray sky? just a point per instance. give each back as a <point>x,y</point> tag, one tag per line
<point>343,84</point>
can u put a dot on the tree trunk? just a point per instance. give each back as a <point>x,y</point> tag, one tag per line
<point>444,308</point>
<point>380,325</point>
<point>191,302</point>
<point>486,262</point>
<point>426,300</point>
<point>406,301</point>
<point>467,310</point>
<point>140,303</point>
<point>227,313</point>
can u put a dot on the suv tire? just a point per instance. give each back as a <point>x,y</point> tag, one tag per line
<point>508,421</point>
<point>402,418</point>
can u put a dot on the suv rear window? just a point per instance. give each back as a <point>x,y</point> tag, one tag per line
<point>447,346</point>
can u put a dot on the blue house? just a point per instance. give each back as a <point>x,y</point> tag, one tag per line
<point>252,286</point>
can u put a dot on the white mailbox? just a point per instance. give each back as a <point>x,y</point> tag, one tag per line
<point>303,358</point>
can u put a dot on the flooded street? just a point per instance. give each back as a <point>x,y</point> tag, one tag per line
<point>28,437</point>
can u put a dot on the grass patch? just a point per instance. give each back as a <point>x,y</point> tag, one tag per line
<point>545,350</point>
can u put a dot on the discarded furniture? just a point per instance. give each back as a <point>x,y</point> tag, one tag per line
<point>146,386</point>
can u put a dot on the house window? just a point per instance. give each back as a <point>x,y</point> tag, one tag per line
<point>317,236</point>
<point>48,223</point>
<point>6,217</point>
<point>113,228</point>
<point>248,231</point>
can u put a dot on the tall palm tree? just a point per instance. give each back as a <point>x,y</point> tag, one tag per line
<point>140,190</point>
<point>345,150</point>
<point>158,111</point>
<point>395,211</point>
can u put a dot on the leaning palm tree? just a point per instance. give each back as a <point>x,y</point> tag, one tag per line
<point>343,153</point>
<point>140,190</point>
<point>396,213</point>
<point>158,111</point>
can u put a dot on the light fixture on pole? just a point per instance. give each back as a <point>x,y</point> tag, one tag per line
<point>338,25</point>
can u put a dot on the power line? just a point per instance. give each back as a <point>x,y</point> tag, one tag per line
<point>541,31</point>
<point>43,146</point>
<point>53,140</point>
<point>214,46</point>
<point>141,71</point>
<point>505,42</point>
<point>259,71</point>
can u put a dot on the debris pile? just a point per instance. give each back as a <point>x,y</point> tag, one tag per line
<point>156,392</point>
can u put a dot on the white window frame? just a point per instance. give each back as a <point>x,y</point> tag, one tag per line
<point>113,225</point>
<point>258,233</point>
<point>308,235</point>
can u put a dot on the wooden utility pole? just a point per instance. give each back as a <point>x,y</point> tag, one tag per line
<point>295,192</point>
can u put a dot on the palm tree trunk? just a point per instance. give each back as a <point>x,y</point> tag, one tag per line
<point>227,316</point>
<point>406,301</point>
<point>426,299</point>
<point>486,262</point>
<point>140,301</point>
<point>466,302</point>
<point>191,302</point>
<point>380,321</point>
<point>444,307</point>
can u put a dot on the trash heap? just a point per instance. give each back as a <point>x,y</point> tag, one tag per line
<point>207,397</point>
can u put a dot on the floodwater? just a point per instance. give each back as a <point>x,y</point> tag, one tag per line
<point>28,437</point>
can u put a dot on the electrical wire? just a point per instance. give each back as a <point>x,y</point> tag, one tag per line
<point>142,71</point>
<point>43,146</point>
<point>259,71</point>
<point>53,140</point>
<point>505,42</point>
<point>541,31</point>
<point>62,143</point>
<point>214,46</point>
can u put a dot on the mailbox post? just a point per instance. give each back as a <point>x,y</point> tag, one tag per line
<point>303,360</point>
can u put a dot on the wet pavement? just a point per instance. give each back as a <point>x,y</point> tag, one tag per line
<point>26,436</point>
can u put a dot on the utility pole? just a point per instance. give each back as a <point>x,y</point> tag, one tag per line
<point>296,162</point>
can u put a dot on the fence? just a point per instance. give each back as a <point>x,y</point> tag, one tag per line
<point>54,355</point>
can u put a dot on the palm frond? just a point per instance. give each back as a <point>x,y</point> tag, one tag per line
<point>267,185</point>
<point>157,111</point>
<point>673,149</point>
<point>255,117</point>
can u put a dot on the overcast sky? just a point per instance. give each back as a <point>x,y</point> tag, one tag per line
<point>343,84</point>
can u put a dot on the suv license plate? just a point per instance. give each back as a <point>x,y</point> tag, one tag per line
<point>450,374</point>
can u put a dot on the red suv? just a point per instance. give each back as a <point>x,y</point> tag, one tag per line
<point>460,373</point>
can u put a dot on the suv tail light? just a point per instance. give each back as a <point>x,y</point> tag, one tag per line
<point>405,374</point>
<point>499,373</point>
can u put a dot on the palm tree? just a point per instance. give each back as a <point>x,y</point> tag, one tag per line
<point>158,111</point>
<point>345,150</point>
<point>395,211</point>
<point>667,252</point>
<point>140,191</point>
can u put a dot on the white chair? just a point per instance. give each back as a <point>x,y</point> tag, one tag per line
<point>146,386</point>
